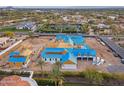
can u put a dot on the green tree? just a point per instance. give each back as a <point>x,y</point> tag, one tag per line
<point>30,34</point>
<point>85,27</point>
<point>56,77</point>
<point>9,34</point>
<point>114,29</point>
<point>41,63</point>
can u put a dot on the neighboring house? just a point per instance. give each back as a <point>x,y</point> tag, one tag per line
<point>91,21</point>
<point>112,17</point>
<point>27,25</point>
<point>103,26</point>
<point>3,41</point>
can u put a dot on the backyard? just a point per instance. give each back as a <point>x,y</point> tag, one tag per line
<point>12,29</point>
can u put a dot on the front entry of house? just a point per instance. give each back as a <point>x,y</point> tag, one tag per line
<point>69,66</point>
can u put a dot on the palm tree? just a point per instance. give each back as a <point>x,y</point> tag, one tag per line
<point>56,77</point>
<point>58,64</point>
<point>41,63</point>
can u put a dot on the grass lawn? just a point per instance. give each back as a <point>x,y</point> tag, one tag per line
<point>13,29</point>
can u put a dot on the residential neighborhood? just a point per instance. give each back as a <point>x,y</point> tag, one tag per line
<point>61,46</point>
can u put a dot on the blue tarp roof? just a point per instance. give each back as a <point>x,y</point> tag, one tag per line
<point>54,49</point>
<point>54,55</point>
<point>63,57</point>
<point>14,60</point>
<point>84,52</point>
<point>85,46</point>
<point>65,38</point>
<point>71,53</point>
<point>14,53</point>
<point>78,40</point>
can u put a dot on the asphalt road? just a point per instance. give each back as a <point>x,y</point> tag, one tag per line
<point>38,34</point>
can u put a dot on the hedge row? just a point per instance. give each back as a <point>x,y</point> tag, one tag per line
<point>4,73</point>
<point>44,82</point>
<point>57,31</point>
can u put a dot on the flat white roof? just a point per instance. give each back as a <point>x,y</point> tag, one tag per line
<point>4,39</point>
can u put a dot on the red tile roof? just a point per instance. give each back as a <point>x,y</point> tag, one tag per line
<point>13,81</point>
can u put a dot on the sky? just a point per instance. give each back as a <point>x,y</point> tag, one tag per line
<point>83,7</point>
<point>61,2</point>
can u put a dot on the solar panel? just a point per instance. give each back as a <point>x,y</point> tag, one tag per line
<point>116,48</point>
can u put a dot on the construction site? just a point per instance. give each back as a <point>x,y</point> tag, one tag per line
<point>27,53</point>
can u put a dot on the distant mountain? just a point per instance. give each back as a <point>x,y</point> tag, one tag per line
<point>69,7</point>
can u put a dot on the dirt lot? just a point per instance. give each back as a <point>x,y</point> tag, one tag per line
<point>102,51</point>
<point>35,44</point>
<point>105,53</point>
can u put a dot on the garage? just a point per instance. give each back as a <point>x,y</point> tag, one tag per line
<point>69,66</point>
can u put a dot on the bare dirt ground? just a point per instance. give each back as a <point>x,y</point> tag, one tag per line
<point>120,42</point>
<point>102,51</point>
<point>105,53</point>
<point>37,44</point>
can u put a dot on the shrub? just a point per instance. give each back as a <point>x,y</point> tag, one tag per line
<point>118,76</point>
<point>40,74</point>
<point>9,34</point>
<point>4,73</point>
<point>44,82</point>
<point>108,76</point>
<point>69,73</point>
<point>81,74</point>
<point>72,84</point>
<point>93,76</point>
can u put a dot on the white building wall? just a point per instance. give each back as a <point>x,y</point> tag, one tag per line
<point>51,60</point>
<point>69,66</point>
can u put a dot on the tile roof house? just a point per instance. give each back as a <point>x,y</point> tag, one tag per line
<point>27,25</point>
